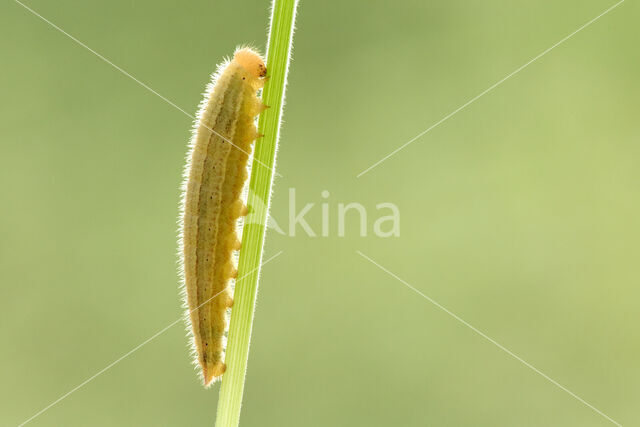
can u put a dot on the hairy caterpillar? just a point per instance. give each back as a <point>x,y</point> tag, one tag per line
<point>214,177</point>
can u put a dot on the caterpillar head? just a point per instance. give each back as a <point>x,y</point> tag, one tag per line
<point>251,61</point>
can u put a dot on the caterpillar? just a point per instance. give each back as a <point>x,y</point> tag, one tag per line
<point>214,178</point>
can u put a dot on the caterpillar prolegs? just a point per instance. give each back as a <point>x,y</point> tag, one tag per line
<point>214,178</point>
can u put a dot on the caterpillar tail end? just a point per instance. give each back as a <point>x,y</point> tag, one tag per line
<point>211,373</point>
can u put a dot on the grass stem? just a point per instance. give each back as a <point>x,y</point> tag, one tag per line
<point>278,56</point>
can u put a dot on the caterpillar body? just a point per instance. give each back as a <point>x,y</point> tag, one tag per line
<point>214,178</point>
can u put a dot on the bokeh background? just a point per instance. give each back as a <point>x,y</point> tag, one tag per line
<point>520,214</point>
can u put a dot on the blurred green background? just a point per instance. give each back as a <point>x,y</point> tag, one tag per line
<point>520,214</point>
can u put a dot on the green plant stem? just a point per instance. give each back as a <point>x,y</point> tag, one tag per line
<point>278,54</point>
